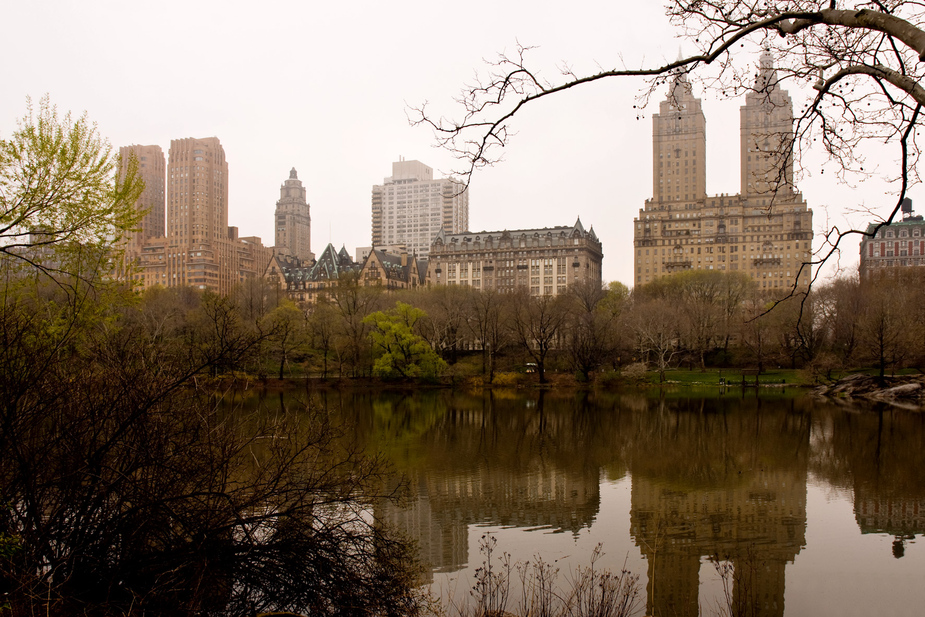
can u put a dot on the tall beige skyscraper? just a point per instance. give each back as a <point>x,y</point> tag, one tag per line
<point>766,126</point>
<point>679,147</point>
<point>765,232</point>
<point>293,220</point>
<point>152,171</point>
<point>197,198</point>
<point>410,207</point>
<point>199,249</point>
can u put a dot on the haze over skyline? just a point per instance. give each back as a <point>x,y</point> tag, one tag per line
<point>324,88</point>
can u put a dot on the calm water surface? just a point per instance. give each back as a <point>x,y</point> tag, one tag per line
<point>819,507</point>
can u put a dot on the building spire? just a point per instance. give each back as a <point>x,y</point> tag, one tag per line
<point>767,75</point>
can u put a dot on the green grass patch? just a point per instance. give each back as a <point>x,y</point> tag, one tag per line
<point>731,377</point>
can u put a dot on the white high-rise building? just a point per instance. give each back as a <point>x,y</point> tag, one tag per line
<point>410,208</point>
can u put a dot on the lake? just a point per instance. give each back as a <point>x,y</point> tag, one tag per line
<point>818,507</point>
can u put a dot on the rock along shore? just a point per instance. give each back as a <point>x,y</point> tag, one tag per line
<point>907,391</point>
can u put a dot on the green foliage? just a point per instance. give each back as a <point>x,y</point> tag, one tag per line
<point>403,353</point>
<point>508,380</point>
<point>9,545</point>
<point>616,294</point>
<point>61,193</point>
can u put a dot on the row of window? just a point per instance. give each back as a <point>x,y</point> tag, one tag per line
<point>901,233</point>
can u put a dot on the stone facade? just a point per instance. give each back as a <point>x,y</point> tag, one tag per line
<point>307,281</point>
<point>764,232</point>
<point>392,271</point>
<point>410,207</point>
<point>544,261</point>
<point>293,220</point>
<point>152,171</point>
<point>900,244</point>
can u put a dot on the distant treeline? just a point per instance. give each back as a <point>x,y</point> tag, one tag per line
<point>694,319</point>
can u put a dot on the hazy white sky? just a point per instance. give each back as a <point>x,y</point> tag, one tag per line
<point>323,87</point>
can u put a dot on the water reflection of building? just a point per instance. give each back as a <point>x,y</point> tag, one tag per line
<point>758,526</point>
<point>733,492</point>
<point>899,517</point>
<point>444,505</point>
<point>442,537</point>
<point>881,452</point>
<point>502,463</point>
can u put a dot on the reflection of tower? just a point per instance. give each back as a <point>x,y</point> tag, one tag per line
<point>729,489</point>
<point>442,536</point>
<point>498,462</point>
<point>758,523</point>
<point>444,504</point>
<point>673,582</point>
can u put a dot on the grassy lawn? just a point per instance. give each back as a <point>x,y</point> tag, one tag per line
<point>732,377</point>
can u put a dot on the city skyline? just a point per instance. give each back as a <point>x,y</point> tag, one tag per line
<point>325,90</point>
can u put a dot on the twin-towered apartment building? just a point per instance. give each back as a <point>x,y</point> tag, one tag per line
<point>765,231</point>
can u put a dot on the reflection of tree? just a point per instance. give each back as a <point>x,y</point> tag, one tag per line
<point>718,478</point>
<point>882,454</point>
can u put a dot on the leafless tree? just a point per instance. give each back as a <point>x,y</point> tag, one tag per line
<point>839,304</point>
<point>353,303</point>
<point>590,327</point>
<point>488,312</point>
<point>322,326</point>
<point>445,324</point>
<point>654,322</point>
<point>757,331</point>
<point>885,323</point>
<point>537,325</point>
<point>864,59</point>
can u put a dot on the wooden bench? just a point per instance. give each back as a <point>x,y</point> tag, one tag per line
<point>748,372</point>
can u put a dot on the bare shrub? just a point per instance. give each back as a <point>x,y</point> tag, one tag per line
<point>635,372</point>
<point>589,591</point>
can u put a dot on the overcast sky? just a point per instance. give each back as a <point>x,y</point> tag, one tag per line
<point>323,87</point>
